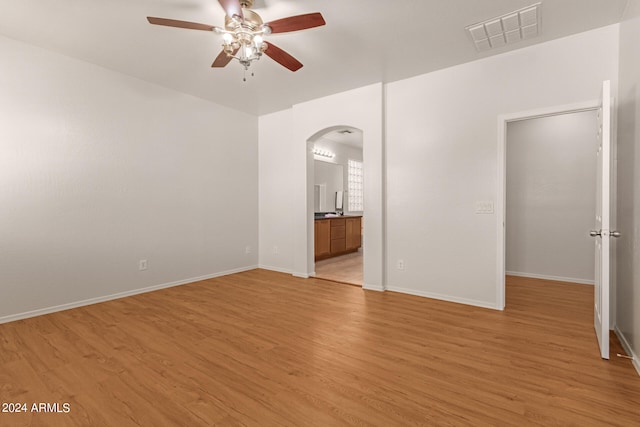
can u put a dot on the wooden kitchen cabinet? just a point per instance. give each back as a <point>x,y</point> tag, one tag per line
<point>337,236</point>
<point>353,230</point>
<point>322,238</point>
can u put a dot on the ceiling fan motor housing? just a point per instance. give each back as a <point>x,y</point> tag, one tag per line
<point>252,22</point>
<point>244,31</point>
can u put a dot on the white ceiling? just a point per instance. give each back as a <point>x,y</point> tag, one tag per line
<point>347,135</point>
<point>364,41</point>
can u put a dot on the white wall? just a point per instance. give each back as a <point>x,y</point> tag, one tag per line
<point>550,197</point>
<point>628,245</point>
<point>99,170</point>
<point>441,146</point>
<point>286,175</point>
<point>276,202</point>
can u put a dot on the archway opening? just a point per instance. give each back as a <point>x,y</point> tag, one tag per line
<point>336,183</point>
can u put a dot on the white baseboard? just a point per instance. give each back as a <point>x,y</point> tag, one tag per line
<point>545,277</point>
<point>82,303</point>
<point>441,297</point>
<point>376,288</point>
<point>628,349</point>
<point>276,269</point>
<point>300,275</point>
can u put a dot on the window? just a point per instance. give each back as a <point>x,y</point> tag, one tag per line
<point>355,186</point>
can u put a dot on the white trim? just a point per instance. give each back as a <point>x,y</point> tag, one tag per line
<point>300,275</point>
<point>372,288</point>
<point>448,298</point>
<point>546,277</point>
<point>537,113</point>
<point>501,204</point>
<point>276,269</point>
<point>503,119</point>
<point>90,301</point>
<point>627,348</point>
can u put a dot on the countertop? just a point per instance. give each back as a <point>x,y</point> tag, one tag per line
<point>337,217</point>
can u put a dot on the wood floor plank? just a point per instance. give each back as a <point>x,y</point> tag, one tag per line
<point>261,348</point>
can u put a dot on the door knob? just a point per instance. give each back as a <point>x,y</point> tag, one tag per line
<point>615,234</point>
<point>594,233</point>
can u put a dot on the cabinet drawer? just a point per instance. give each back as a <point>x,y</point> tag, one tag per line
<point>338,245</point>
<point>338,232</point>
<point>337,222</point>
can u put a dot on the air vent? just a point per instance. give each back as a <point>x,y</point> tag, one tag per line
<point>509,28</point>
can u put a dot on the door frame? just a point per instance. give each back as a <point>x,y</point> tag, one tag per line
<point>503,120</point>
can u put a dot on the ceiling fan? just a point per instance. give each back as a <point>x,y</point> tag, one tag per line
<point>243,33</point>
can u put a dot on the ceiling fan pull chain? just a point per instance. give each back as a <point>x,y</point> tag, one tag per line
<point>244,78</point>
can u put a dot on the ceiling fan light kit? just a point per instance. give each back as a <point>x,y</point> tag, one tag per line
<point>244,31</point>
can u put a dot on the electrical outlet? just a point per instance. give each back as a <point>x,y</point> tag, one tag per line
<point>484,207</point>
<point>276,250</point>
<point>400,264</point>
<point>142,264</point>
<point>247,249</point>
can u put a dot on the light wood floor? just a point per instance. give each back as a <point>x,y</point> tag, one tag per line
<point>345,269</point>
<point>266,349</point>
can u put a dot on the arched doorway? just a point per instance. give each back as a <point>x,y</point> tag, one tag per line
<point>363,109</point>
<point>337,186</point>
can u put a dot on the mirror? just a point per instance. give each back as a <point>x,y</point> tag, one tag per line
<point>328,181</point>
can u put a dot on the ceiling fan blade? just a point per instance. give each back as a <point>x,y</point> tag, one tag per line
<point>232,8</point>
<point>295,23</point>
<point>282,57</point>
<point>223,59</point>
<point>179,24</point>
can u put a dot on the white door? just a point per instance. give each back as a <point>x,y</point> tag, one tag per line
<point>602,230</point>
